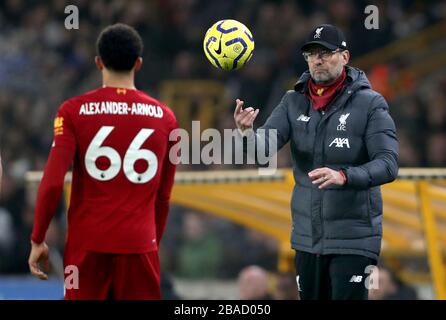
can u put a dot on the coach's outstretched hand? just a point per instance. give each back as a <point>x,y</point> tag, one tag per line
<point>244,118</point>
<point>39,256</point>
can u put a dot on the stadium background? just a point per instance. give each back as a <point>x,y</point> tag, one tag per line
<point>42,64</point>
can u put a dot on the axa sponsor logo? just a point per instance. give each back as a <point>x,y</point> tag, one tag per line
<point>340,142</point>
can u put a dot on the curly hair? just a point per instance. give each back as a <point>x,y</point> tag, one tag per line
<point>119,46</point>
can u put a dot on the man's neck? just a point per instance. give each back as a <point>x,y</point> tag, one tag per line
<point>118,79</point>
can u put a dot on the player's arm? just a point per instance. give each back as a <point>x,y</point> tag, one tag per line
<point>50,190</point>
<point>164,192</point>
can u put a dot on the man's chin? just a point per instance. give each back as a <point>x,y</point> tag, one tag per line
<point>322,80</point>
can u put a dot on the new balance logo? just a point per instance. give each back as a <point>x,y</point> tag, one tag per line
<point>356,279</point>
<point>340,143</point>
<point>303,118</point>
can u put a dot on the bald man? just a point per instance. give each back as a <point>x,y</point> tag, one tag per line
<point>253,284</point>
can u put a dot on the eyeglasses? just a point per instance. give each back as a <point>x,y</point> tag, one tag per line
<point>323,54</point>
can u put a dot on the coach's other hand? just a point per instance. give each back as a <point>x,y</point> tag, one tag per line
<point>39,256</point>
<point>326,176</point>
<point>244,118</point>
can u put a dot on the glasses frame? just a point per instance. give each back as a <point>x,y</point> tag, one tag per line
<point>324,55</point>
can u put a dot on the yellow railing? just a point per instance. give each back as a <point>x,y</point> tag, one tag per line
<point>414,210</point>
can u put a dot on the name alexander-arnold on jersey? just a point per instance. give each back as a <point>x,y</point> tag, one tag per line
<point>121,108</point>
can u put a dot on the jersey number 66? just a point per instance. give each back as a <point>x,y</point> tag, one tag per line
<point>134,153</point>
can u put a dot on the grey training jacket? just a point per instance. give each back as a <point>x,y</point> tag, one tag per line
<point>356,134</point>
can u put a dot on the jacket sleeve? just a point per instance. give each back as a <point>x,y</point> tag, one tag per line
<point>273,135</point>
<point>382,147</point>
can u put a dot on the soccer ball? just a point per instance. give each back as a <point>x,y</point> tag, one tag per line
<point>228,44</point>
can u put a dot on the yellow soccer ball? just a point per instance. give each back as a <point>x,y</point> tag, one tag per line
<point>228,44</point>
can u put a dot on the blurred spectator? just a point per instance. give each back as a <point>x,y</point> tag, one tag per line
<point>167,288</point>
<point>391,287</point>
<point>436,149</point>
<point>409,155</point>
<point>253,284</point>
<point>259,249</point>
<point>199,252</point>
<point>7,238</point>
<point>286,287</point>
<point>379,79</point>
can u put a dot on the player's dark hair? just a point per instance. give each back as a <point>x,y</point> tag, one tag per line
<point>119,46</point>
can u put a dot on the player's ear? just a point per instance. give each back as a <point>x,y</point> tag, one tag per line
<point>99,63</point>
<point>138,64</point>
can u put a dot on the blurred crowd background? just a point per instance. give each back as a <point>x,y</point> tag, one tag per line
<point>42,64</point>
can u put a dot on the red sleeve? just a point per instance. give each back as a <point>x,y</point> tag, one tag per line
<point>164,192</point>
<point>51,186</point>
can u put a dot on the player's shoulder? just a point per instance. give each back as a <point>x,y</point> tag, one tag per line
<point>77,101</point>
<point>151,100</point>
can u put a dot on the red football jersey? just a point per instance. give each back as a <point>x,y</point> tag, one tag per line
<point>118,142</point>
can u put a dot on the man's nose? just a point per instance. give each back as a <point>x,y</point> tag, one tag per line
<point>318,60</point>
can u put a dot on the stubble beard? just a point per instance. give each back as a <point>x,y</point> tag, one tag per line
<point>326,77</point>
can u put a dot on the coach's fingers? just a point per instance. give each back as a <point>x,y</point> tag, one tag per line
<point>312,172</point>
<point>316,175</point>
<point>244,117</point>
<point>238,106</point>
<point>244,113</point>
<point>327,183</point>
<point>320,180</point>
<point>249,119</point>
<point>252,117</point>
